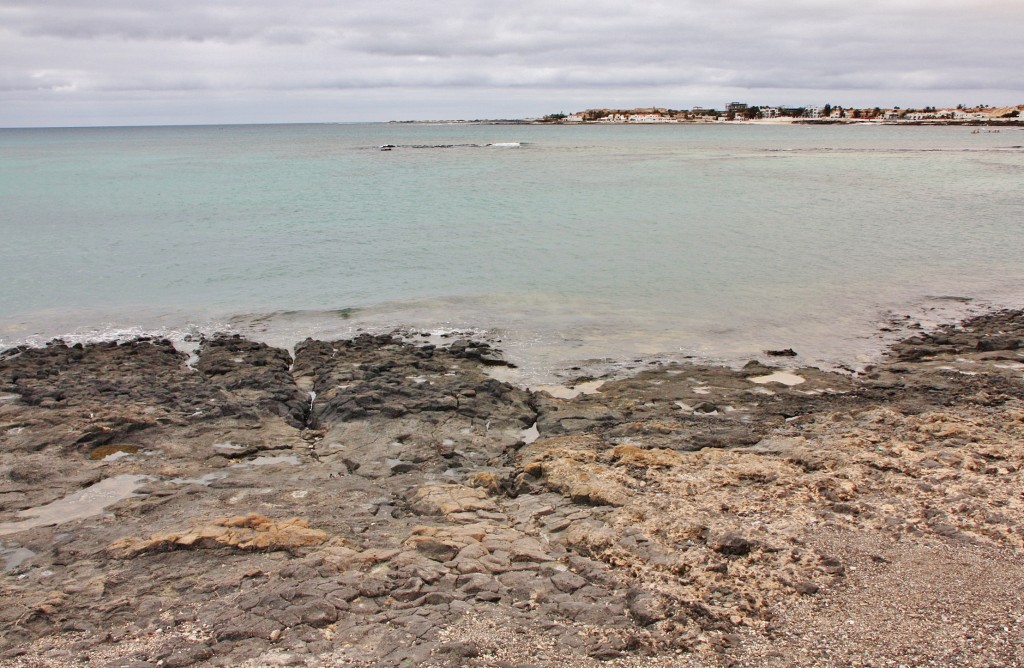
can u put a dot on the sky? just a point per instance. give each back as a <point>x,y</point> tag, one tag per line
<point>143,62</point>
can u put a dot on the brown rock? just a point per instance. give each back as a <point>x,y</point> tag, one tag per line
<point>585,483</point>
<point>243,532</point>
<point>631,455</point>
<point>433,548</point>
<point>449,499</point>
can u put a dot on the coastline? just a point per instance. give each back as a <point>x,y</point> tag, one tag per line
<point>1009,123</point>
<point>543,345</point>
<point>371,502</point>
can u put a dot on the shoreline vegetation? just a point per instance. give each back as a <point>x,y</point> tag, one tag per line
<point>381,502</point>
<point>737,112</point>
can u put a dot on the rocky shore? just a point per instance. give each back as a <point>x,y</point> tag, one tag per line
<point>375,502</point>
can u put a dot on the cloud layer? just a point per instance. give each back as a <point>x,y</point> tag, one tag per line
<point>63,62</point>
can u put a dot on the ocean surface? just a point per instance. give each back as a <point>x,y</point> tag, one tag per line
<point>566,243</point>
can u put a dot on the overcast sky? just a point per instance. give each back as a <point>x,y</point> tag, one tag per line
<point>120,62</point>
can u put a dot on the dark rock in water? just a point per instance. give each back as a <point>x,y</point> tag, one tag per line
<point>493,359</point>
<point>917,352</point>
<point>786,352</point>
<point>263,372</point>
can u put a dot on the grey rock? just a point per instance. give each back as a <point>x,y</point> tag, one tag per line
<point>567,581</point>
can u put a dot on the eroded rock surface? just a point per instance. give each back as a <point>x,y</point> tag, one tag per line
<point>373,502</point>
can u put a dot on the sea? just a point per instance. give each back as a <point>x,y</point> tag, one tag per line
<point>569,247</point>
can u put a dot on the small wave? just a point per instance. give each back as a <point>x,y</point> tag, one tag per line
<point>389,147</point>
<point>392,147</point>
<point>112,334</point>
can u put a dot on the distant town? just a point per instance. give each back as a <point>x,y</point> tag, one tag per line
<point>742,112</point>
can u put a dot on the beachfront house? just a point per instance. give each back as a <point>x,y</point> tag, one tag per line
<point>969,115</point>
<point>648,118</point>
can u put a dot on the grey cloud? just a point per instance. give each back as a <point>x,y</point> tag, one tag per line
<point>593,50</point>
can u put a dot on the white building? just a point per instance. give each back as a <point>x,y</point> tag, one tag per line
<point>648,118</point>
<point>968,115</point>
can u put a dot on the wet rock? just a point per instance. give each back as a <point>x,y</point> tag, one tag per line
<point>258,371</point>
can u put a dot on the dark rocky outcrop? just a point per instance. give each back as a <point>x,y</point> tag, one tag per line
<point>372,502</point>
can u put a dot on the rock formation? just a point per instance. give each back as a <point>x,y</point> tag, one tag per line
<point>374,502</point>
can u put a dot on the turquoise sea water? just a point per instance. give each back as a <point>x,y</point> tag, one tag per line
<point>573,242</point>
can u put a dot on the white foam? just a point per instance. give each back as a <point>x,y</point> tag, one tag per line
<point>564,392</point>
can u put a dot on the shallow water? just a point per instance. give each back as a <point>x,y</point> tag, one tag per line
<point>13,557</point>
<point>577,243</point>
<point>89,502</point>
